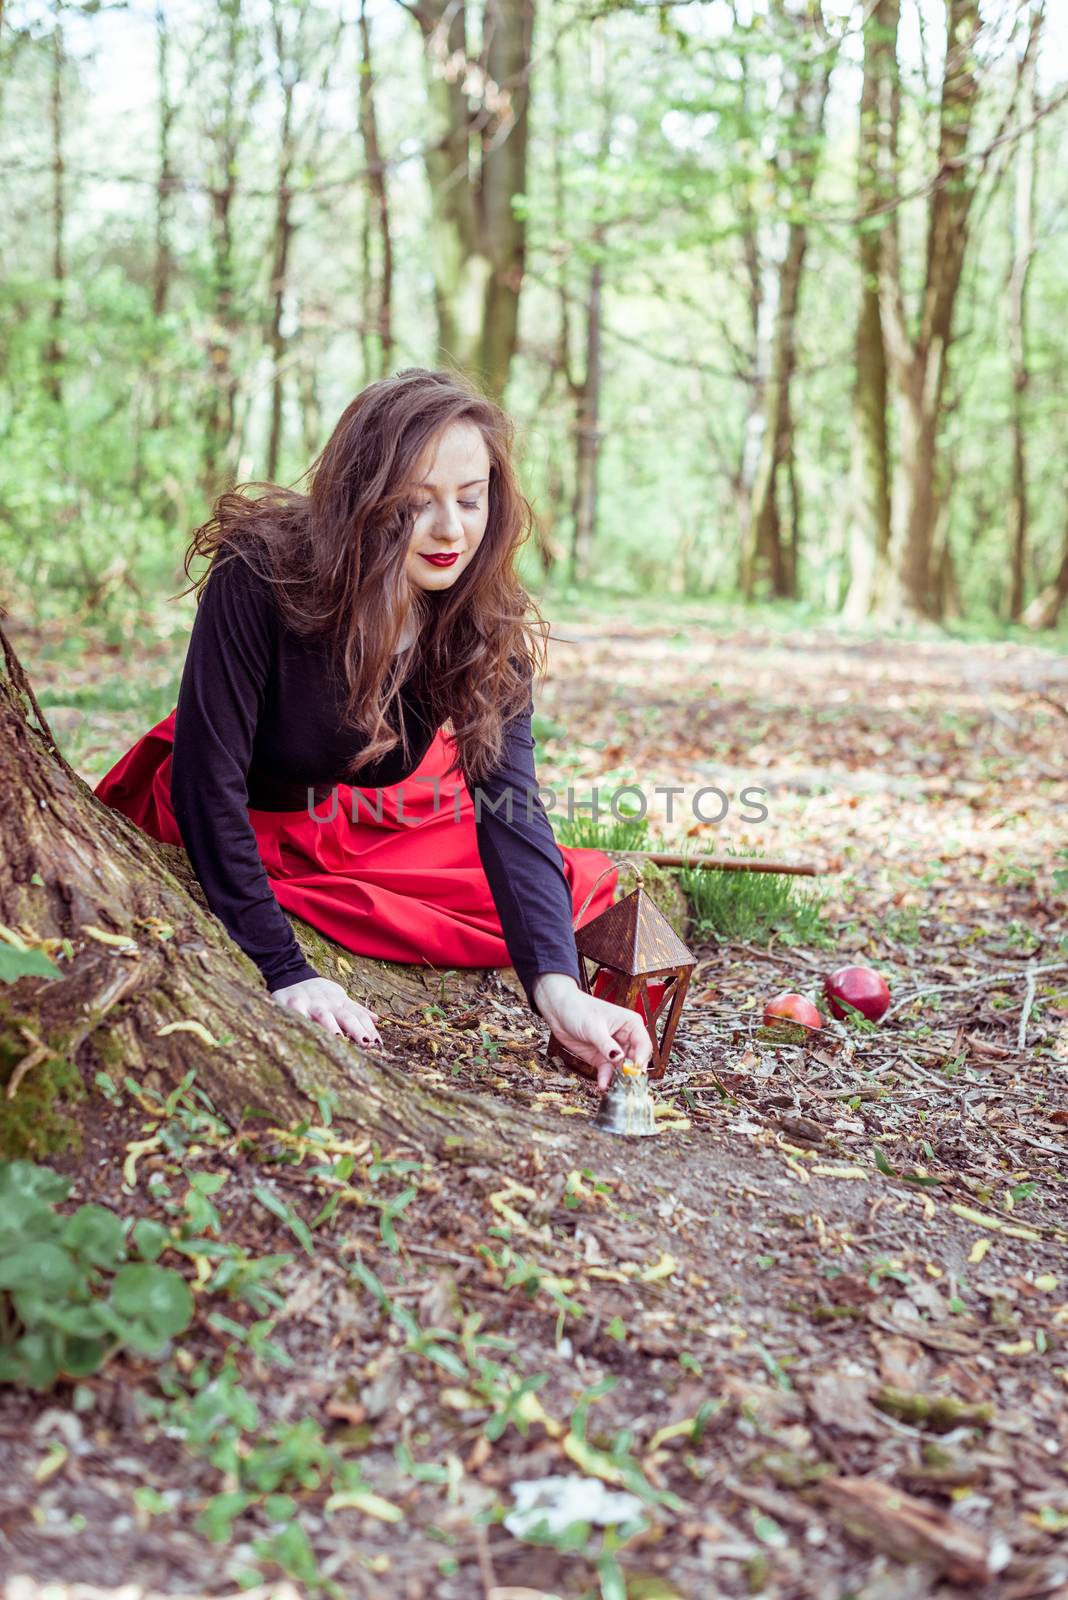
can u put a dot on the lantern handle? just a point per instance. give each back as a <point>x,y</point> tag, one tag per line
<point>616,865</point>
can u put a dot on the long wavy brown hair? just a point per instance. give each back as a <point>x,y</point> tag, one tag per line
<point>336,557</point>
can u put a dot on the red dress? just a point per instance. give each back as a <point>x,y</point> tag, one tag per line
<point>407,887</point>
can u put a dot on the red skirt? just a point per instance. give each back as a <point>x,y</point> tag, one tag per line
<point>407,886</point>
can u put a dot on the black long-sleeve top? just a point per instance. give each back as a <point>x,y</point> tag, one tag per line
<point>259,723</point>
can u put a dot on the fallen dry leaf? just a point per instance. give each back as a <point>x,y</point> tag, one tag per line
<point>914,1530</point>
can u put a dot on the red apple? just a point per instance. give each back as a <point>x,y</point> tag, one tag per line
<point>792,1008</point>
<point>859,987</point>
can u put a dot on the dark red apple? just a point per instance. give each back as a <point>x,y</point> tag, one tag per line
<point>859,987</point>
<point>789,1007</point>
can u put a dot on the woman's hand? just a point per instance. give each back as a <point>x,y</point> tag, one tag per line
<point>326,1001</point>
<point>598,1032</point>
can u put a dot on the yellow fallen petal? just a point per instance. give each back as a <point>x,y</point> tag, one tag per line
<point>50,1464</point>
<point>134,1152</point>
<point>187,1025</point>
<point>372,1505</point>
<point>978,1251</point>
<point>594,1462</point>
<point>120,941</point>
<point>1047,1282</point>
<point>530,1409</point>
<point>978,1217</point>
<point>840,1172</point>
<point>663,1269</point>
<point>1022,1347</point>
<point>674,1430</point>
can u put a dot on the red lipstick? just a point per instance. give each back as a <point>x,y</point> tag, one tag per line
<point>441,561</point>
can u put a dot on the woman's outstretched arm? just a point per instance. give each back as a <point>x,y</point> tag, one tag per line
<point>525,870</point>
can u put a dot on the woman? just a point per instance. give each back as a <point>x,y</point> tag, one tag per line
<point>306,764</point>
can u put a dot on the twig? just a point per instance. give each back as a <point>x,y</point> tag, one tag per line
<point>668,858</point>
<point>1029,1000</point>
<point>38,1054</point>
<point>485,1561</point>
<point>974,983</point>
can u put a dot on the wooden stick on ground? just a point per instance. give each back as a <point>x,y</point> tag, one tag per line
<point>666,858</point>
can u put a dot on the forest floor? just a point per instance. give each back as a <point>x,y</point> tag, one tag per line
<point>815,1334</point>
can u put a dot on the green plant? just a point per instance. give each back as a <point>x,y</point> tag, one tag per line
<point>55,1321</point>
<point>751,906</point>
<point>597,833</point>
<point>1060,874</point>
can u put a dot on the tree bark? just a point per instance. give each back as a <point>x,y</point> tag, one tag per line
<point>508,33</point>
<point>1023,254</point>
<point>869,542</point>
<point>920,362</point>
<point>288,71</point>
<point>1045,609</point>
<point>765,553</point>
<point>478,238</point>
<point>53,351</point>
<point>219,410</point>
<point>378,309</point>
<point>587,430</point>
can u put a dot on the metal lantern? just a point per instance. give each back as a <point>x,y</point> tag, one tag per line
<point>639,962</point>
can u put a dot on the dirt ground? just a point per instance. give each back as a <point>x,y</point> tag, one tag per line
<point>818,1327</point>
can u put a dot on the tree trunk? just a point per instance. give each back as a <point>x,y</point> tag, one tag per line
<point>378,310</point>
<point>1023,254</point>
<point>219,415</point>
<point>508,32</point>
<point>920,363</point>
<point>587,434</point>
<point>53,351</point>
<point>807,73</point>
<point>764,553</point>
<point>869,543</point>
<point>1045,609</point>
<point>283,233</point>
<point>477,239</point>
<point>163,261</point>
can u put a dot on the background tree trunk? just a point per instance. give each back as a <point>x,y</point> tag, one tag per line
<point>378,309</point>
<point>869,543</point>
<point>1023,254</point>
<point>807,71</point>
<point>53,351</point>
<point>587,433</point>
<point>920,363</point>
<point>287,60</point>
<point>220,441</point>
<point>478,239</point>
<point>1045,609</point>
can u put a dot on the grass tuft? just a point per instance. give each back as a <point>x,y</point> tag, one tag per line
<point>754,906</point>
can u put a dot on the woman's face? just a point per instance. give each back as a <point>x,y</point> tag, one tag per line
<point>450,498</point>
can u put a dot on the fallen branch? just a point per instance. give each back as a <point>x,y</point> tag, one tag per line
<point>667,858</point>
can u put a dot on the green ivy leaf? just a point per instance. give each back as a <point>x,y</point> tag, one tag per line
<point>15,964</point>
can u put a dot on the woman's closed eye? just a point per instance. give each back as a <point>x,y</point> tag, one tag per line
<point>468,505</point>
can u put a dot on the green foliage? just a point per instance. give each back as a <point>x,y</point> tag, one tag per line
<point>590,833</point>
<point>69,1296</point>
<point>752,906</point>
<point>17,963</point>
<point>263,1468</point>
